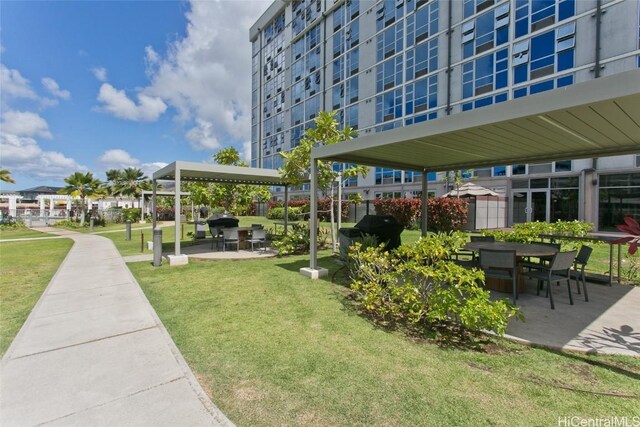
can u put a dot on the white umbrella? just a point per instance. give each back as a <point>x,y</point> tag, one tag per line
<point>470,189</point>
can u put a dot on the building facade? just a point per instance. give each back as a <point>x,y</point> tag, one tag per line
<point>391,63</point>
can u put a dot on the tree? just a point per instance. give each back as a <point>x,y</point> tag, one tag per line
<point>5,175</point>
<point>297,163</point>
<point>236,198</point>
<point>81,185</point>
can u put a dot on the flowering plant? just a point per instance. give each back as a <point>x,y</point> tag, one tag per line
<point>632,227</point>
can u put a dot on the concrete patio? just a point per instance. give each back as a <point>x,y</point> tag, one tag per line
<point>609,323</point>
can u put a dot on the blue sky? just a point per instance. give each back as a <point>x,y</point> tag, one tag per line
<point>95,85</point>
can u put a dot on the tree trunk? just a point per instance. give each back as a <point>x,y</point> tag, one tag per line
<point>83,211</point>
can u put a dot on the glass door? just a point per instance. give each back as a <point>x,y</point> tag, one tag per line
<point>539,206</point>
<point>530,205</point>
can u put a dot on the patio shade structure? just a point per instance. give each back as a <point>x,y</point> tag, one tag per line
<point>205,172</point>
<point>597,118</point>
<point>470,189</point>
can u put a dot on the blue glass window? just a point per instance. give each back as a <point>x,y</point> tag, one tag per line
<point>422,59</point>
<point>389,106</point>
<point>352,35</point>
<point>338,43</point>
<point>338,18</point>
<point>338,70</point>
<point>353,62</point>
<point>543,14</point>
<point>337,97</point>
<point>422,24</point>
<point>421,95</point>
<point>352,90</point>
<point>389,74</point>
<point>312,107</point>
<point>499,171</point>
<point>388,176</point>
<point>297,114</point>
<point>352,116</point>
<point>388,12</point>
<point>389,42</point>
<point>485,74</point>
<point>544,54</point>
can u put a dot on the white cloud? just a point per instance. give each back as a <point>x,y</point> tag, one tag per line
<point>245,154</point>
<point>117,159</point>
<point>201,137</point>
<point>24,155</point>
<point>53,88</point>
<point>116,102</point>
<point>100,73</point>
<point>150,168</point>
<point>25,123</point>
<point>14,85</point>
<point>206,76</point>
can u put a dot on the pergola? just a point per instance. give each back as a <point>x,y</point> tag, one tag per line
<point>597,118</point>
<point>206,172</point>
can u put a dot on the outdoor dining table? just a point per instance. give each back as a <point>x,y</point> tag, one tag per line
<point>522,250</point>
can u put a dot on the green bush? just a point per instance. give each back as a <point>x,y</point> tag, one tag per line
<point>529,232</point>
<point>10,223</point>
<point>131,214</point>
<point>298,240</point>
<point>278,213</point>
<point>417,286</point>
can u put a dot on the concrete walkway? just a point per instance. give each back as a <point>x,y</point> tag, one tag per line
<point>93,352</point>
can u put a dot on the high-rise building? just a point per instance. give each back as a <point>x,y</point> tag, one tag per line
<point>391,63</point>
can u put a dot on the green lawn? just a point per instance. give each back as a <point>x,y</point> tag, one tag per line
<point>98,229</point>
<point>20,233</point>
<point>272,347</point>
<point>23,278</point>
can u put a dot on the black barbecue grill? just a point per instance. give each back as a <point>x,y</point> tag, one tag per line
<point>222,221</point>
<point>386,228</point>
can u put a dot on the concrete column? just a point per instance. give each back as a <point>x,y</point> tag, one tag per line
<point>41,203</point>
<point>68,207</point>
<point>51,207</point>
<point>12,205</point>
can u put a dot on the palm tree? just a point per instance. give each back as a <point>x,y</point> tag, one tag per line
<point>133,183</point>
<point>5,175</point>
<point>82,185</point>
<point>114,182</point>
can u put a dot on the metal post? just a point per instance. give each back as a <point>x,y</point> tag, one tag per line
<point>286,209</point>
<point>313,218</point>
<point>127,230</point>
<point>91,224</point>
<point>339,200</point>
<point>153,204</point>
<point>157,246</point>
<point>425,197</point>
<point>178,210</point>
<point>142,242</point>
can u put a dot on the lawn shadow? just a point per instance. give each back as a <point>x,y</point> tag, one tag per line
<point>595,360</point>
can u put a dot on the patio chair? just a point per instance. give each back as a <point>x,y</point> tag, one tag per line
<point>216,236</point>
<point>470,259</point>
<point>500,264</point>
<point>543,261</point>
<point>258,237</point>
<point>231,238</point>
<point>579,265</point>
<point>556,272</point>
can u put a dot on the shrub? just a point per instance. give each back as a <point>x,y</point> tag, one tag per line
<point>445,214</point>
<point>10,223</point>
<point>324,214</point>
<point>406,211</point>
<point>278,213</point>
<point>403,288</point>
<point>298,241</point>
<point>530,232</point>
<point>131,214</point>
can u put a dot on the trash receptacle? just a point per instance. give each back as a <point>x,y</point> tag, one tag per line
<point>201,229</point>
